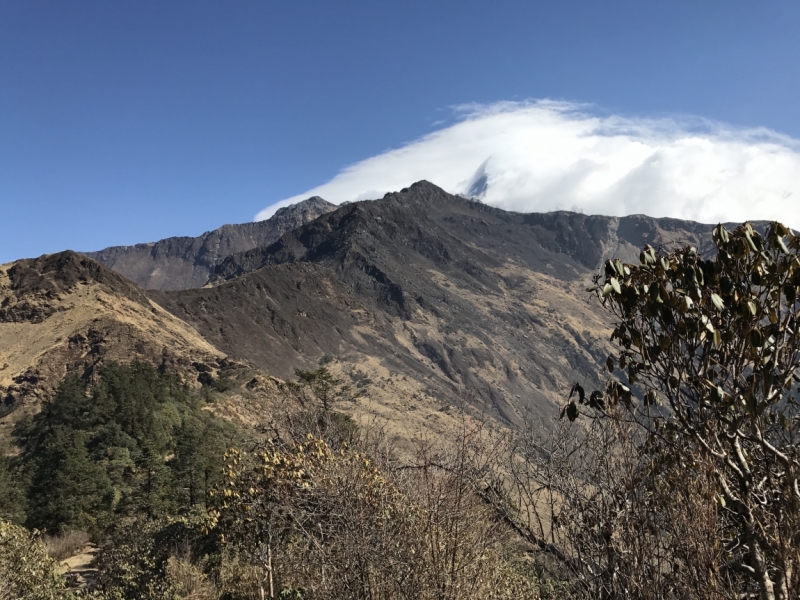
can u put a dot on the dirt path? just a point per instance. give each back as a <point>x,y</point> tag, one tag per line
<point>78,570</point>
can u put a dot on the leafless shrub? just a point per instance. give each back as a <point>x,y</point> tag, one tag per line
<point>620,523</point>
<point>66,544</point>
<point>323,522</point>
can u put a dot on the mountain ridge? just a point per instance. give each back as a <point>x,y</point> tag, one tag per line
<point>560,231</point>
<point>186,262</point>
<point>434,298</point>
<point>66,313</point>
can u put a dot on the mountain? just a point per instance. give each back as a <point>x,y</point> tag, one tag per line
<point>187,262</point>
<point>464,300</point>
<point>424,301</point>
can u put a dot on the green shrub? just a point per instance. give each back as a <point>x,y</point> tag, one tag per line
<point>26,571</point>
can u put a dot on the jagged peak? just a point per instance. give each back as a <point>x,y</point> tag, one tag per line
<point>312,203</point>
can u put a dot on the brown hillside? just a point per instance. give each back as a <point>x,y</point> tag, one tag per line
<point>423,299</point>
<point>67,313</point>
<point>463,300</point>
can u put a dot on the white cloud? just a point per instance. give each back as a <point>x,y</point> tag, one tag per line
<point>545,155</point>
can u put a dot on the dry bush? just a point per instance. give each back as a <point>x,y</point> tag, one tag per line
<point>26,571</point>
<point>685,483</point>
<point>188,579</point>
<point>319,522</point>
<point>619,519</point>
<point>66,544</point>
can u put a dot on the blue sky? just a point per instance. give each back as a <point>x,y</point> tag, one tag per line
<point>130,122</point>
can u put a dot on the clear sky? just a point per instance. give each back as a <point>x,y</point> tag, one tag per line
<point>125,122</point>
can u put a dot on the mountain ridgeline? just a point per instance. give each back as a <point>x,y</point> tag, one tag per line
<point>186,262</point>
<point>433,298</point>
<point>233,414</point>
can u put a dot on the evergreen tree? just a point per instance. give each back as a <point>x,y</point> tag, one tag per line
<point>135,442</point>
<point>200,443</point>
<point>68,490</point>
<point>12,496</point>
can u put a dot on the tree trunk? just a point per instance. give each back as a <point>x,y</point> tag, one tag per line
<point>766,589</point>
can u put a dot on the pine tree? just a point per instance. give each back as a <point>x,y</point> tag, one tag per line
<point>68,490</point>
<point>12,497</point>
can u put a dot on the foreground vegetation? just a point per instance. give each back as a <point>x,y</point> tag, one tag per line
<point>315,509</point>
<point>686,483</point>
<point>680,479</point>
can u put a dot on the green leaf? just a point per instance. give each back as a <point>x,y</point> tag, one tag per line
<point>581,394</point>
<point>720,234</point>
<point>750,241</point>
<point>596,400</point>
<point>615,285</point>
<point>610,364</point>
<point>572,411</point>
<point>716,300</point>
<point>756,338</point>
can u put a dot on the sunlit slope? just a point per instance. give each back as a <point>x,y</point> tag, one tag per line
<point>66,313</point>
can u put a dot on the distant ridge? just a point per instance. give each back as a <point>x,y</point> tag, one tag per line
<point>178,263</point>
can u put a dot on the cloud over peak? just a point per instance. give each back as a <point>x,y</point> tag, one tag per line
<point>545,155</point>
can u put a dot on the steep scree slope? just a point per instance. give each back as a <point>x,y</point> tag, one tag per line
<point>467,300</point>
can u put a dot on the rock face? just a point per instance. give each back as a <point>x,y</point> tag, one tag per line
<point>185,262</point>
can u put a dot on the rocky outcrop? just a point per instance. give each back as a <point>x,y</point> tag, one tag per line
<point>178,263</point>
